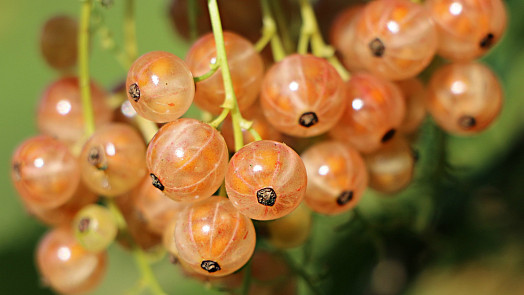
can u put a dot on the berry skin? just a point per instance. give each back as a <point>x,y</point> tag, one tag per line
<point>113,160</point>
<point>291,230</point>
<point>342,36</point>
<point>395,39</point>
<point>467,29</point>
<point>95,228</point>
<point>187,160</point>
<point>391,167</point>
<point>414,94</point>
<point>66,266</point>
<point>245,64</point>
<point>214,238</point>
<point>60,113</point>
<point>266,180</point>
<point>160,86</point>
<point>58,42</point>
<point>464,98</point>
<point>374,112</point>
<point>337,177</point>
<point>44,172</point>
<point>303,95</point>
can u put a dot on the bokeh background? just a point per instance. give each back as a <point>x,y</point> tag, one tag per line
<point>459,229</point>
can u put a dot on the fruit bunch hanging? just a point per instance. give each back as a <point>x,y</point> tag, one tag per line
<point>291,127</point>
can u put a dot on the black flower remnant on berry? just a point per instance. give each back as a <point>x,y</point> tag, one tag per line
<point>389,135</point>
<point>95,158</point>
<point>266,196</point>
<point>156,182</point>
<point>345,197</point>
<point>467,122</point>
<point>308,119</point>
<point>377,47</point>
<point>83,225</point>
<point>134,91</point>
<point>487,41</point>
<point>16,171</point>
<point>210,266</point>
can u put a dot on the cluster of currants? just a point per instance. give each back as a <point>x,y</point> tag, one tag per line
<point>172,190</point>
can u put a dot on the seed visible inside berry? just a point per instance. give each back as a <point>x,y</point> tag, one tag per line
<point>389,135</point>
<point>266,196</point>
<point>487,41</point>
<point>83,224</point>
<point>345,197</point>
<point>377,47</point>
<point>134,91</point>
<point>210,266</point>
<point>308,119</point>
<point>156,182</point>
<point>467,122</point>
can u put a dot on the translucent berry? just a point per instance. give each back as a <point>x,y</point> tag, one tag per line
<point>245,64</point>
<point>467,29</point>
<point>464,98</point>
<point>266,180</point>
<point>187,160</point>
<point>414,94</point>
<point>44,172</point>
<point>291,230</point>
<point>337,177</point>
<point>395,39</point>
<point>60,113</point>
<point>95,228</point>
<point>260,124</point>
<point>374,112</point>
<point>342,37</point>
<point>113,160</point>
<point>303,95</point>
<point>58,42</point>
<point>65,213</point>
<point>155,207</point>
<point>160,86</point>
<point>391,167</point>
<point>214,238</point>
<point>66,266</point>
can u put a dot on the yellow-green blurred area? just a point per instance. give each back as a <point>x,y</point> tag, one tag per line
<point>459,229</point>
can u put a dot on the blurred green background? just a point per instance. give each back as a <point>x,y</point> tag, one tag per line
<point>462,218</point>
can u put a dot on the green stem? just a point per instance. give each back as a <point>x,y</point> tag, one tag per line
<point>130,30</point>
<point>301,273</point>
<point>230,101</point>
<point>319,47</point>
<point>282,26</point>
<point>83,67</point>
<point>246,283</point>
<point>216,122</point>
<point>212,69</point>
<point>269,33</point>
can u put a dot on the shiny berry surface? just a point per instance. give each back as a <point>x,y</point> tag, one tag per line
<point>464,98</point>
<point>187,160</point>
<point>395,39</point>
<point>342,36</point>
<point>245,64</point>
<point>44,172</point>
<point>291,230</point>
<point>302,95</point>
<point>66,266</point>
<point>467,29</point>
<point>113,160</point>
<point>414,93</point>
<point>59,112</point>
<point>260,124</point>
<point>337,177</point>
<point>58,42</point>
<point>266,180</point>
<point>374,111</point>
<point>160,86</point>
<point>214,238</point>
<point>391,167</point>
<point>95,228</point>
